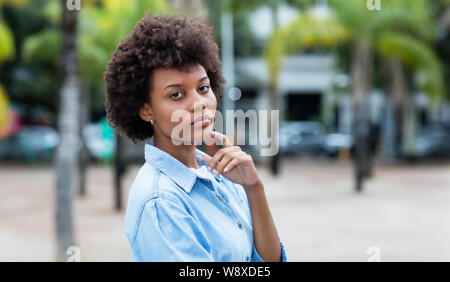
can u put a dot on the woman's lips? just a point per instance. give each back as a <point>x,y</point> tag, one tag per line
<point>201,123</point>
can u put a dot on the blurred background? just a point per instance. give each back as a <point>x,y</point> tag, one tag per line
<point>363,90</point>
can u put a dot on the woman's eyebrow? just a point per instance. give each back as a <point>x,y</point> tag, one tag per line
<point>178,85</point>
<point>203,78</point>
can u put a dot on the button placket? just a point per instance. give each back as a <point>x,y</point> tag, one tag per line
<point>233,215</point>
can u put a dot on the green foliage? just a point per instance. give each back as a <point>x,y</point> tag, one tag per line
<point>243,7</point>
<point>304,32</point>
<point>101,27</point>
<point>7,46</point>
<point>417,55</point>
<point>7,51</point>
<point>13,2</point>
<point>43,46</point>
<point>302,4</point>
<point>6,43</point>
<point>109,23</point>
<point>4,111</point>
<point>52,11</point>
<point>402,29</point>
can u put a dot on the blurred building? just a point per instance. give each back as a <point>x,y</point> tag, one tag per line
<point>310,87</point>
<point>304,82</point>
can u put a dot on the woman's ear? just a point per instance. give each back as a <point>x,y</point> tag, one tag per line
<point>146,113</point>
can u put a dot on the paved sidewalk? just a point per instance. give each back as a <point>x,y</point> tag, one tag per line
<point>404,213</point>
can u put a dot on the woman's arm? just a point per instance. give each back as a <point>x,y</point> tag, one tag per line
<point>265,234</point>
<point>239,167</point>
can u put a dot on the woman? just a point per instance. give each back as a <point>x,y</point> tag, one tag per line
<point>184,205</point>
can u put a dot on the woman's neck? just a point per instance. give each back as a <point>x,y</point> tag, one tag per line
<point>183,153</point>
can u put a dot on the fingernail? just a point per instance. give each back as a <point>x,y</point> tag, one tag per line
<point>226,169</point>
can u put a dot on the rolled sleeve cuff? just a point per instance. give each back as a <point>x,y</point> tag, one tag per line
<point>257,258</point>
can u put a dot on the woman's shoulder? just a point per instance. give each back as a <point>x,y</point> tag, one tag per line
<point>143,185</point>
<point>151,183</point>
<point>149,188</point>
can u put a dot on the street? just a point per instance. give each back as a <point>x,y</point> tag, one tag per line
<point>402,215</point>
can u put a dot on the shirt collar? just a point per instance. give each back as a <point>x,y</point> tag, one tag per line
<point>173,168</point>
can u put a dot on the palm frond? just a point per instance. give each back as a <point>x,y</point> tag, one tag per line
<point>412,17</point>
<point>44,46</point>
<point>417,55</point>
<point>6,43</point>
<point>306,31</point>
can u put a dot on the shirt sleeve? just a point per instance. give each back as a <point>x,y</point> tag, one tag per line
<point>257,258</point>
<point>167,232</point>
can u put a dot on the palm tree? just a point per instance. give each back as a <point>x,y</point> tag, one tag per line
<point>101,27</point>
<point>401,51</point>
<point>66,162</point>
<point>366,32</point>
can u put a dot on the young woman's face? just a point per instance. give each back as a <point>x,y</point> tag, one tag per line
<point>175,96</point>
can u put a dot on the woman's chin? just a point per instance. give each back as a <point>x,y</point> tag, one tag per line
<point>197,136</point>
<point>193,140</point>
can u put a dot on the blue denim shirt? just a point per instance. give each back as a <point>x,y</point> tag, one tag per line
<point>173,214</point>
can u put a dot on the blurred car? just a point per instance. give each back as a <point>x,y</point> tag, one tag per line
<point>433,141</point>
<point>301,137</point>
<point>31,143</point>
<point>336,142</point>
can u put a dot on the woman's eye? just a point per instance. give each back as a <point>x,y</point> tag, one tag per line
<point>176,98</point>
<point>204,88</point>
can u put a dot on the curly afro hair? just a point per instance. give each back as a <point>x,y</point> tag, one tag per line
<point>156,41</point>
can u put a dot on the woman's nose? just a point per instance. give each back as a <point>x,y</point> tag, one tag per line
<point>198,103</point>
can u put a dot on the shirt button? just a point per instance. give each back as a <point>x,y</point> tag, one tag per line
<point>248,258</point>
<point>239,225</point>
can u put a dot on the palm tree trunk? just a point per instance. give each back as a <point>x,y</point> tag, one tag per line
<point>389,129</point>
<point>398,94</point>
<point>404,111</point>
<point>119,170</point>
<point>274,104</point>
<point>83,156</point>
<point>67,154</point>
<point>409,128</point>
<point>361,71</point>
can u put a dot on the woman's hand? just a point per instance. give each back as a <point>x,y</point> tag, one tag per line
<point>233,163</point>
<point>241,169</point>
